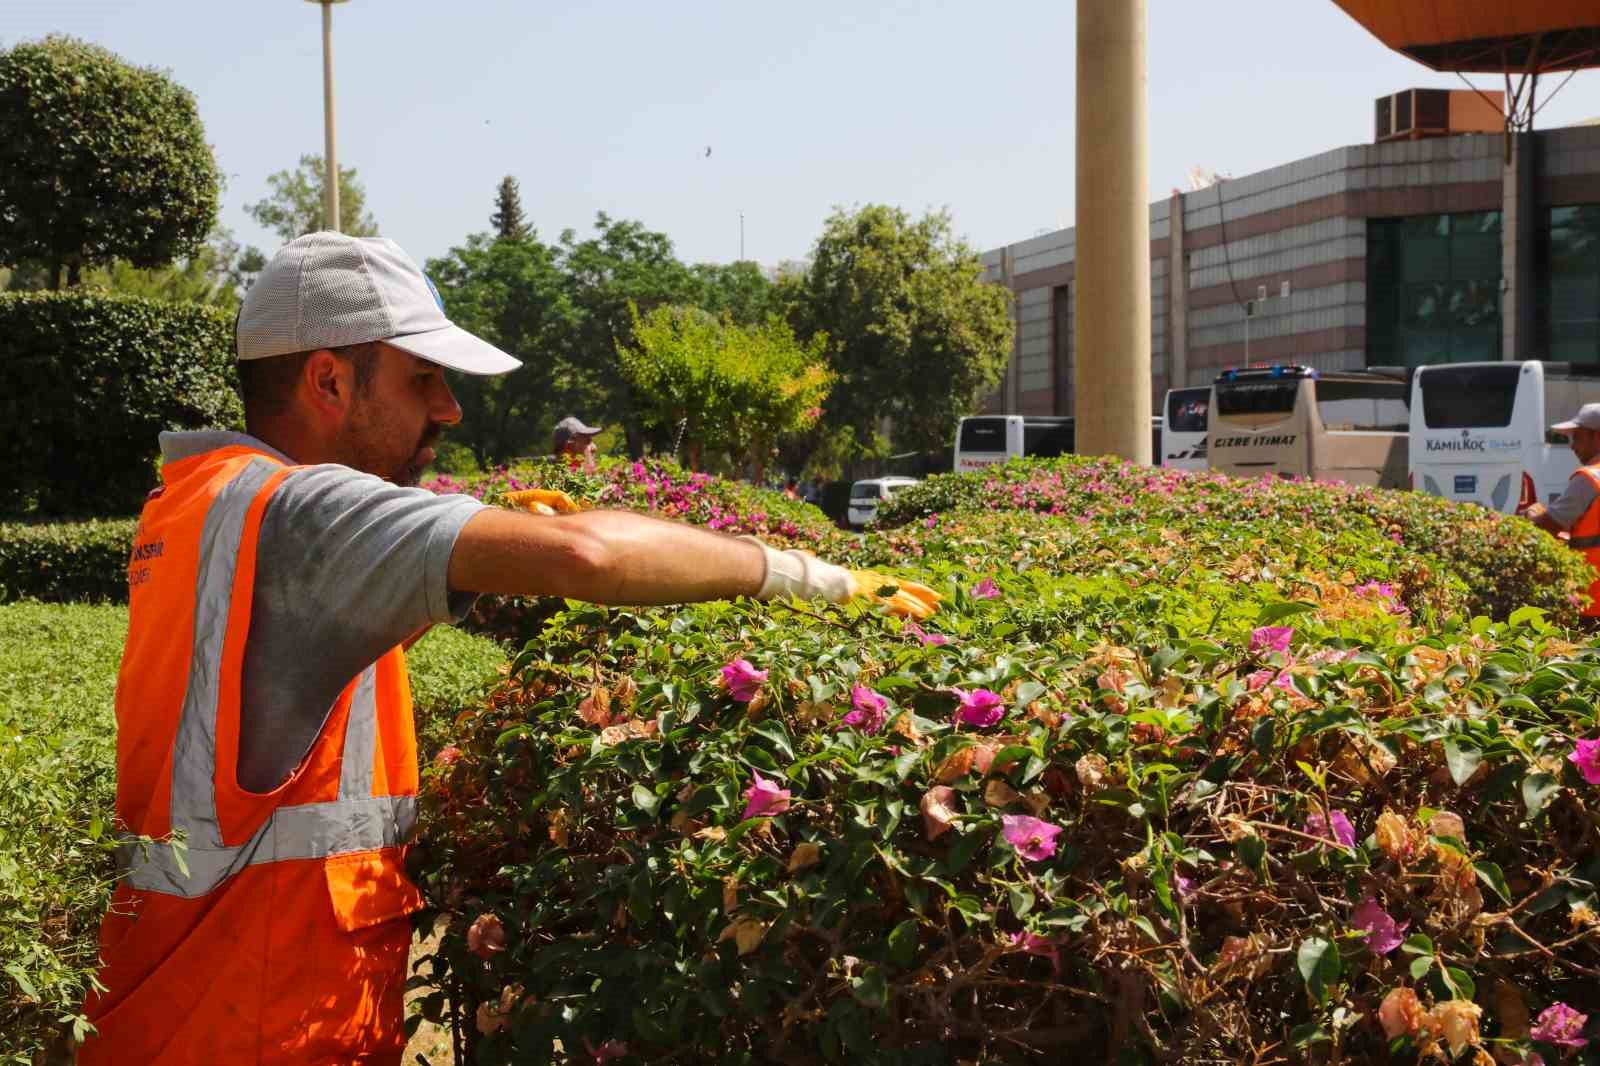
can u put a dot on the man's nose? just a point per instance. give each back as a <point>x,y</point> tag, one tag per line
<point>444,409</point>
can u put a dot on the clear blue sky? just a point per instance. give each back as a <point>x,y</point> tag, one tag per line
<point>610,106</point>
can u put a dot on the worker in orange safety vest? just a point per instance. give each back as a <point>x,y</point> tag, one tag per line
<point>266,755</point>
<point>1576,511</point>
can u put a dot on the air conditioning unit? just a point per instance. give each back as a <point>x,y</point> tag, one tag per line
<point>1412,114</point>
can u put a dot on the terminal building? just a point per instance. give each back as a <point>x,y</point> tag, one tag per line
<point>1431,245</point>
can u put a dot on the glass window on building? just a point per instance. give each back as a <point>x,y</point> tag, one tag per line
<point>1572,301</point>
<point>1433,289</point>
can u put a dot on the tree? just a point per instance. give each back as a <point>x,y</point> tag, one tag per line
<point>508,220</point>
<point>739,290</point>
<point>917,335</point>
<point>99,160</point>
<point>734,389</point>
<point>511,292</point>
<point>217,274</point>
<point>623,265</point>
<point>295,205</point>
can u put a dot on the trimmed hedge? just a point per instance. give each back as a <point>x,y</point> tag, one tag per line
<point>88,380</point>
<point>61,562</point>
<point>1504,562</point>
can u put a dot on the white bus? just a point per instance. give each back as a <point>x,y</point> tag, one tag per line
<point>1480,431</point>
<point>1329,425</point>
<point>1183,428</point>
<point>986,440</point>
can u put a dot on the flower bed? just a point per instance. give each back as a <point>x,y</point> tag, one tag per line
<point>1503,562</point>
<point>1173,791</point>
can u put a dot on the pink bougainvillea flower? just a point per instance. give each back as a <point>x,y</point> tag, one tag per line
<point>1034,944</point>
<point>868,710</point>
<point>486,937</point>
<point>611,1049</point>
<point>1271,638</point>
<point>1586,757</point>
<point>986,590</point>
<point>937,814</point>
<point>765,798</point>
<point>743,680</point>
<point>1401,1012</point>
<point>1384,934</point>
<point>1559,1024</point>
<point>448,755</point>
<point>980,707</point>
<point>928,639</point>
<point>1033,839</point>
<point>1335,827</point>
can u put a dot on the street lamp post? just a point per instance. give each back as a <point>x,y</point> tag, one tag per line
<point>330,158</point>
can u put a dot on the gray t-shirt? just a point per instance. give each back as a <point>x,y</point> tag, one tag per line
<point>1567,508</point>
<point>347,566</point>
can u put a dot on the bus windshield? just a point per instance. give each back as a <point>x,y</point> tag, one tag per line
<point>1046,440</point>
<point>1186,410</point>
<point>1275,397</point>
<point>981,435</point>
<point>1469,397</point>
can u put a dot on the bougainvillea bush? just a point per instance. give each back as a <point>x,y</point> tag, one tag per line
<point>1164,795</point>
<point>1503,562</point>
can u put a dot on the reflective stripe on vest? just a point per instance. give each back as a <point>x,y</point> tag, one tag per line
<point>356,821</point>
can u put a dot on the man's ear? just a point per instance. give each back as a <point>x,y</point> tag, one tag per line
<point>327,384</point>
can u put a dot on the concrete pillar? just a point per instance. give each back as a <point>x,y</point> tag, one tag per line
<point>1519,225</point>
<point>1178,298</point>
<point>1111,322</point>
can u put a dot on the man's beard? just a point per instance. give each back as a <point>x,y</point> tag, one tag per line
<point>411,473</point>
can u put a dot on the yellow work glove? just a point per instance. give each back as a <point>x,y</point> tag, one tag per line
<point>542,501</point>
<point>908,600</point>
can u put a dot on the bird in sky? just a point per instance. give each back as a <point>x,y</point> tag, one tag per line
<point>708,151</point>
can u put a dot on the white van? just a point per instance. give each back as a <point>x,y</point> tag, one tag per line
<point>986,440</point>
<point>1480,431</point>
<point>1183,428</point>
<point>866,495</point>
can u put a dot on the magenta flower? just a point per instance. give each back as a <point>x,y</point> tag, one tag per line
<point>1034,944</point>
<point>1586,757</point>
<point>1335,827</point>
<point>869,710</point>
<point>1561,1025</point>
<point>1383,933</point>
<point>986,590</point>
<point>765,798</point>
<point>743,680</point>
<point>1032,838</point>
<point>980,707</point>
<point>928,639</point>
<point>1271,638</point>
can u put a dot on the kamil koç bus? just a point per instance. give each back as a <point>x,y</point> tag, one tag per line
<point>1328,425</point>
<point>1480,431</point>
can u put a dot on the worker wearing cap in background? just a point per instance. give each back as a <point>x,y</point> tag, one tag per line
<point>263,708</point>
<point>1577,510</point>
<point>574,443</point>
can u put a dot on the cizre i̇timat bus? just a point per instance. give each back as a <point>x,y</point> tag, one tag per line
<point>988,440</point>
<point>1480,431</point>
<point>1294,421</point>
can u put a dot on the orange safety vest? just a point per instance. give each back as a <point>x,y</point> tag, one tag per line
<point>275,932</point>
<point>1585,534</point>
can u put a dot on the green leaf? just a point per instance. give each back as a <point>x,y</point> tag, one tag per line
<point>1459,982</point>
<point>1418,944</point>
<point>1491,874</point>
<point>646,800</point>
<point>1277,611</point>
<point>1022,899</point>
<point>1421,965</point>
<point>1029,691</point>
<point>1462,761</point>
<point>1537,790</point>
<point>870,989</point>
<point>903,942</point>
<point>775,732</point>
<point>1319,965</point>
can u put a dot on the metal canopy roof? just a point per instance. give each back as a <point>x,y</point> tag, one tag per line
<point>1471,36</point>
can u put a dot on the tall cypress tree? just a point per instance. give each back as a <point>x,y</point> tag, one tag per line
<point>508,220</point>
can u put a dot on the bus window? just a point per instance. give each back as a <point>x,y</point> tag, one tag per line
<point>1469,397</point>
<point>1186,410</point>
<point>1047,440</point>
<point>1363,405</point>
<point>1275,397</point>
<point>983,435</point>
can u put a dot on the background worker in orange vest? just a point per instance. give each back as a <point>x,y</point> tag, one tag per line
<point>1576,511</point>
<point>266,755</point>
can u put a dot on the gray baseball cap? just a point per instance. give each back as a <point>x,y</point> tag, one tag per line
<point>570,427</point>
<point>1588,417</point>
<point>327,290</point>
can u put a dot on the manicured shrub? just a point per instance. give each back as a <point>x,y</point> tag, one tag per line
<point>1175,797</point>
<point>66,561</point>
<point>88,380</point>
<point>1504,562</point>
